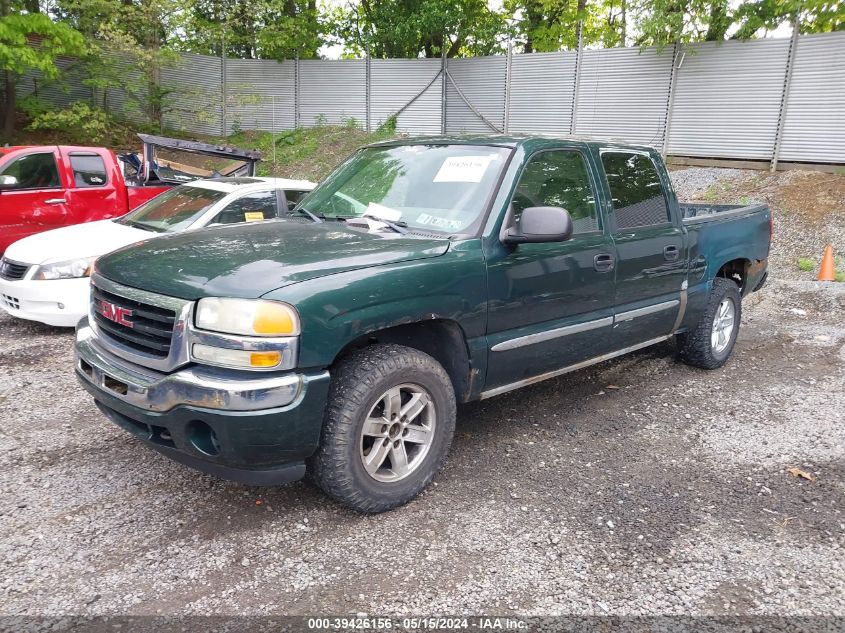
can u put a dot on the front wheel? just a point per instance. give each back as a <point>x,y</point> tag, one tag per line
<point>388,426</point>
<point>711,342</point>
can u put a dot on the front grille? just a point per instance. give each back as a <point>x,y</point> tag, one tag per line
<point>11,302</point>
<point>12,270</point>
<point>144,328</point>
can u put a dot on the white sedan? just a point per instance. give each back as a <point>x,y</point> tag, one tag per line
<point>44,277</point>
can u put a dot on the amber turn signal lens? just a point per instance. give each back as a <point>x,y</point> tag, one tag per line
<point>265,359</point>
<point>273,319</point>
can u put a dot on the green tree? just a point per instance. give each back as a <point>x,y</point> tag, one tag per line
<point>30,41</point>
<point>414,28</point>
<point>553,25</point>
<point>252,29</point>
<point>817,16</point>
<point>130,41</point>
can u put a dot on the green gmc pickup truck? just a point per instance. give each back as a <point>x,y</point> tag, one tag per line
<point>421,273</point>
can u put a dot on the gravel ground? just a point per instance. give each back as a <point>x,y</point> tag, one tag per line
<point>639,486</point>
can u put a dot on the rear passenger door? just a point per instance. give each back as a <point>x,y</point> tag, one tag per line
<point>651,266</point>
<point>92,194</point>
<point>551,305</point>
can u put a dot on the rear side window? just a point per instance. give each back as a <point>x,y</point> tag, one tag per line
<point>635,189</point>
<point>558,178</point>
<point>32,171</point>
<point>89,170</point>
<point>252,207</point>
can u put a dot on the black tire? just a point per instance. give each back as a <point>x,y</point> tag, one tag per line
<point>358,381</point>
<point>695,347</point>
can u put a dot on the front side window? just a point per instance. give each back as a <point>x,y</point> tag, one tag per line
<point>252,207</point>
<point>32,171</point>
<point>173,210</point>
<point>635,189</point>
<point>432,188</point>
<point>294,196</point>
<point>89,170</point>
<point>558,179</point>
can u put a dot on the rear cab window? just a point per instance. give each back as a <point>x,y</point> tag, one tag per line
<point>636,190</point>
<point>89,170</point>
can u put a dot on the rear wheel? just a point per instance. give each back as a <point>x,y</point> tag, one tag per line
<point>711,342</point>
<point>388,426</point>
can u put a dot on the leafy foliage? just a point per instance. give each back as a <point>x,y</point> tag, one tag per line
<point>90,125</point>
<point>402,28</point>
<point>270,29</point>
<point>52,40</point>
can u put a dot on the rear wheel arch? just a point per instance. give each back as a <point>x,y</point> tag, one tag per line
<point>737,271</point>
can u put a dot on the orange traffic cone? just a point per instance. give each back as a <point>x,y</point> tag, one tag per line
<point>827,271</point>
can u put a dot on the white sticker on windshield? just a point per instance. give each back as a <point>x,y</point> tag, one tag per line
<point>462,169</point>
<point>440,223</point>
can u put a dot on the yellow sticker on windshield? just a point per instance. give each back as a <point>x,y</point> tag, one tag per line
<point>253,216</point>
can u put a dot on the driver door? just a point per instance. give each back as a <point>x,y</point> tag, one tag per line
<point>36,202</point>
<point>551,305</point>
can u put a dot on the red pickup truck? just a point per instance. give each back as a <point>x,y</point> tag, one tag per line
<point>46,187</point>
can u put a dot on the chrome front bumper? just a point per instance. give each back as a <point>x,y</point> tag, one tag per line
<point>199,386</point>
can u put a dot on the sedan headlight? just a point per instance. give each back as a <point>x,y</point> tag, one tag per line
<point>249,317</point>
<point>71,269</point>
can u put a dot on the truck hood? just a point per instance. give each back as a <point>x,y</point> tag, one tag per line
<point>250,260</point>
<point>90,239</point>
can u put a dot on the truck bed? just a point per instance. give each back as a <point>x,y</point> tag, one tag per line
<point>693,212</point>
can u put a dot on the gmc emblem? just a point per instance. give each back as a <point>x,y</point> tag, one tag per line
<point>115,313</point>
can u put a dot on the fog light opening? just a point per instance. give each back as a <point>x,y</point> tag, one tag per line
<point>86,368</point>
<point>203,438</point>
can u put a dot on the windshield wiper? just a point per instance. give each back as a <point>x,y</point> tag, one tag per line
<point>143,227</point>
<point>304,211</point>
<point>399,227</point>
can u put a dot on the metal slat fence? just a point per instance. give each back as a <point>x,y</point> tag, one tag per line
<point>769,99</point>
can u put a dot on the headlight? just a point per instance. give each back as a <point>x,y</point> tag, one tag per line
<point>71,269</point>
<point>250,317</point>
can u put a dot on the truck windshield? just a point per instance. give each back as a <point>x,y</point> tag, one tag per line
<point>431,188</point>
<point>173,210</point>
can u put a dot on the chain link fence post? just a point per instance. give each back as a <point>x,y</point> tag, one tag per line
<point>506,124</point>
<point>443,72</point>
<point>787,80</point>
<point>576,81</point>
<point>677,59</point>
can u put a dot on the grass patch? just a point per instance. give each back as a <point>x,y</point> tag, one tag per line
<point>309,153</point>
<point>805,264</point>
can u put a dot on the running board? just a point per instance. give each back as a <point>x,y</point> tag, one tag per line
<point>565,370</point>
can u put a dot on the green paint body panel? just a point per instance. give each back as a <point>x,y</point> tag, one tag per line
<point>348,284</point>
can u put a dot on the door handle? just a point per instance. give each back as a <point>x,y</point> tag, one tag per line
<point>55,201</point>
<point>671,253</point>
<point>603,262</point>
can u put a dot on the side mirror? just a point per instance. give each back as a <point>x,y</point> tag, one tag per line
<point>541,224</point>
<point>7,181</point>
